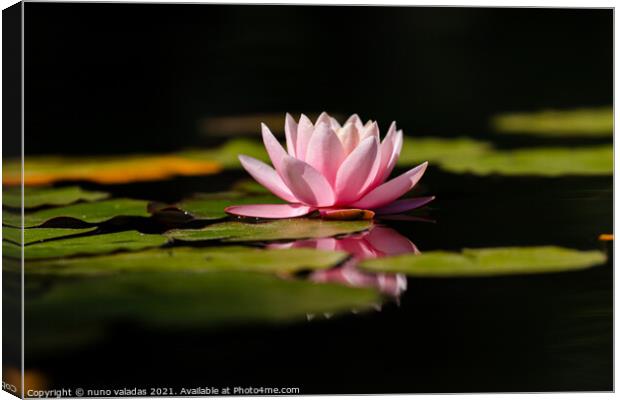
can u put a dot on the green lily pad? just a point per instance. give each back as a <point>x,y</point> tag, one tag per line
<point>591,160</point>
<point>437,150</point>
<point>212,205</point>
<point>32,235</point>
<point>487,262</point>
<point>94,244</point>
<point>463,155</point>
<point>560,123</point>
<point>227,154</point>
<point>229,258</point>
<point>48,196</point>
<point>92,213</point>
<point>284,229</point>
<point>171,301</point>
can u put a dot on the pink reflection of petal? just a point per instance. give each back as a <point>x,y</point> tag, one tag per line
<point>389,242</point>
<point>379,242</point>
<point>357,247</point>
<point>390,284</point>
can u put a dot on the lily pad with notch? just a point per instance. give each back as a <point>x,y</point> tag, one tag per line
<point>84,245</point>
<point>90,213</point>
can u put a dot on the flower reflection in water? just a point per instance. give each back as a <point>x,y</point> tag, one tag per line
<point>379,242</point>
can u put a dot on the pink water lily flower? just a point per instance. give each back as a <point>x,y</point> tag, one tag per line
<point>330,168</point>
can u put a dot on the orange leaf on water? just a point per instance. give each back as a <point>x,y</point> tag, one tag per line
<point>106,170</point>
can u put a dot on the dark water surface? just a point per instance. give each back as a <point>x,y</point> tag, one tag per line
<point>550,332</point>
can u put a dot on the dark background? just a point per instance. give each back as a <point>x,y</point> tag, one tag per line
<point>113,78</point>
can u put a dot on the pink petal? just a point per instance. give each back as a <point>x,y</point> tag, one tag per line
<point>391,190</point>
<point>356,121</point>
<point>403,205</point>
<point>270,210</point>
<point>396,148</point>
<point>354,171</point>
<point>290,130</point>
<point>274,148</point>
<point>389,242</point>
<point>306,183</point>
<point>386,149</point>
<point>348,137</point>
<point>371,129</point>
<point>324,118</point>
<point>372,175</point>
<point>325,152</point>
<point>334,123</point>
<point>267,176</point>
<point>304,132</point>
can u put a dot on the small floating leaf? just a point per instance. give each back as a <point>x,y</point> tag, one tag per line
<point>229,258</point>
<point>48,196</point>
<point>94,244</point>
<point>298,228</point>
<point>92,213</point>
<point>176,301</point>
<point>488,262</point>
<point>32,235</point>
<point>578,122</point>
<point>212,205</point>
